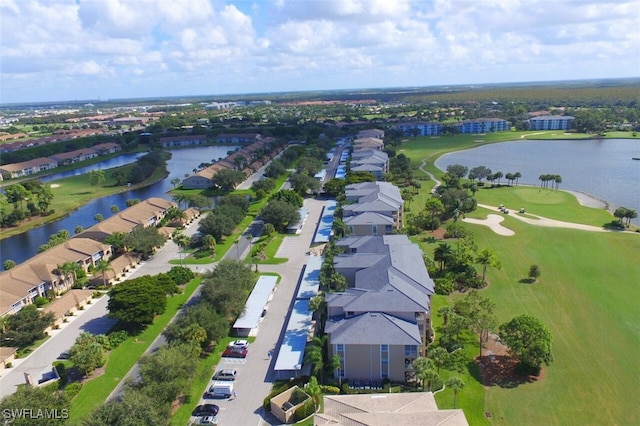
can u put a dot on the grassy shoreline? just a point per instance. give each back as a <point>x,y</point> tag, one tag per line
<point>73,192</point>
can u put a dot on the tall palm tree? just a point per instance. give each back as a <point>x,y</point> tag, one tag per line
<point>486,258</point>
<point>182,241</point>
<point>316,354</point>
<point>103,267</point>
<point>68,270</point>
<point>517,175</point>
<point>439,355</point>
<point>456,385</point>
<point>442,254</point>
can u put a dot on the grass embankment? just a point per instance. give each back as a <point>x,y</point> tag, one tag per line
<point>587,295</point>
<point>71,193</point>
<point>123,358</point>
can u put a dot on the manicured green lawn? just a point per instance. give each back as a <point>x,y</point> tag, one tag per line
<point>121,359</point>
<point>587,295</point>
<point>550,203</point>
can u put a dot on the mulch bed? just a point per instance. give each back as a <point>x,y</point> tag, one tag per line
<point>500,368</point>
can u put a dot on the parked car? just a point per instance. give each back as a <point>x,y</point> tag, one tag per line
<point>239,344</point>
<point>227,374</point>
<point>63,355</point>
<point>206,410</point>
<point>235,353</point>
<point>220,390</point>
<point>209,420</point>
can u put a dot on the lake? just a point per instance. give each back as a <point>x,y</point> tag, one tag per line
<point>602,168</point>
<point>23,246</point>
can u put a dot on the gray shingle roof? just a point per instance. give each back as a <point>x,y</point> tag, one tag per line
<point>369,218</point>
<point>389,330</point>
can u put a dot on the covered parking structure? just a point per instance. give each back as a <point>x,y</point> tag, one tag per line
<point>247,323</point>
<point>289,360</point>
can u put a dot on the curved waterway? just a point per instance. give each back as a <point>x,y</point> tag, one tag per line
<point>602,168</point>
<point>21,247</point>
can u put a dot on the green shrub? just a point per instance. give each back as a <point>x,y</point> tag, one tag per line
<point>203,253</point>
<point>116,338</point>
<point>40,301</point>
<point>443,286</point>
<point>307,409</point>
<point>181,275</point>
<point>331,390</point>
<point>298,396</point>
<point>73,389</point>
<point>62,372</point>
<point>8,365</point>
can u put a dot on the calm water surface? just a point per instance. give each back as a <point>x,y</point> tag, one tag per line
<point>602,168</point>
<point>183,161</point>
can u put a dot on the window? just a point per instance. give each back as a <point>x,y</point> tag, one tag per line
<point>388,228</point>
<point>374,229</point>
<point>340,352</point>
<point>384,361</point>
<point>410,350</point>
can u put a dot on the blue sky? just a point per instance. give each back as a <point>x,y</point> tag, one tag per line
<point>87,49</point>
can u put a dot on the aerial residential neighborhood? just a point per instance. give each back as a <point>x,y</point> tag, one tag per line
<point>345,277</point>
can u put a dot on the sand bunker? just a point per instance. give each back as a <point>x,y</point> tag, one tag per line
<point>55,185</point>
<point>492,221</point>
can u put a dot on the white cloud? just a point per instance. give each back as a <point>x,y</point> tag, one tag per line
<point>262,46</point>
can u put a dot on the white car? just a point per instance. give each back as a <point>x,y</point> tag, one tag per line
<point>239,344</point>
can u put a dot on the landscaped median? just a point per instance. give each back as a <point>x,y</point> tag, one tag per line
<point>124,357</point>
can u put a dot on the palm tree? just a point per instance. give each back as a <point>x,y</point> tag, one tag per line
<point>68,270</point>
<point>316,354</point>
<point>429,376</point>
<point>103,267</point>
<point>486,258</point>
<point>182,241</point>
<point>445,312</point>
<point>439,355</point>
<point>209,242</point>
<point>336,367</point>
<point>517,175</point>
<point>558,180</point>
<point>456,385</point>
<point>442,254</point>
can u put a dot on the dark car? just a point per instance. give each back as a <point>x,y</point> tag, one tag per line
<point>63,355</point>
<point>206,410</point>
<point>235,353</point>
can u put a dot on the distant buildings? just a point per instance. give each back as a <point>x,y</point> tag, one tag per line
<point>248,160</point>
<point>477,125</point>
<point>551,122</point>
<point>26,168</point>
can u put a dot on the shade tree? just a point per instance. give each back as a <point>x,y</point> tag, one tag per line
<point>529,340</point>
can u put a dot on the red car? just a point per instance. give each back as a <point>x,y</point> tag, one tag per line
<point>235,352</point>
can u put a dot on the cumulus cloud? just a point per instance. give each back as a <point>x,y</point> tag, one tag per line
<point>236,46</point>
